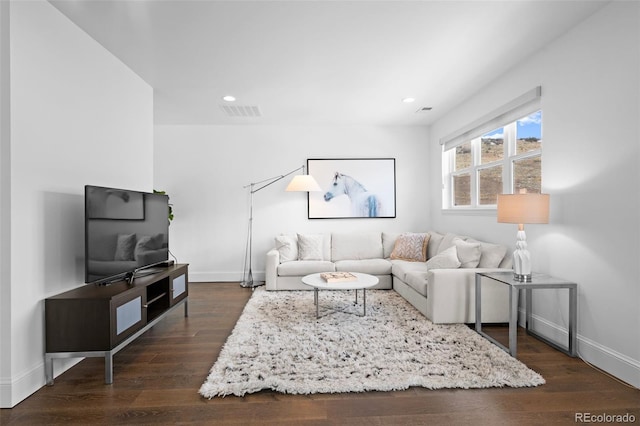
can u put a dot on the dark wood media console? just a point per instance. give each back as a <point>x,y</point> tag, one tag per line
<point>98,321</point>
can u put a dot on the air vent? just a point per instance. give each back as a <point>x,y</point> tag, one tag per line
<point>241,110</point>
<point>423,110</point>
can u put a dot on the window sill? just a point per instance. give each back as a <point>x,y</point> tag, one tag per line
<point>488,211</point>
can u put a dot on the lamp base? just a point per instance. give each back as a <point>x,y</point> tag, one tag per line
<point>523,278</point>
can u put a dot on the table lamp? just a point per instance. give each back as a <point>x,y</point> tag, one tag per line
<point>522,208</point>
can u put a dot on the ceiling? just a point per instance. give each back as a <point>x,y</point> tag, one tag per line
<point>319,62</point>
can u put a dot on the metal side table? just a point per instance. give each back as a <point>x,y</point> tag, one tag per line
<point>538,281</point>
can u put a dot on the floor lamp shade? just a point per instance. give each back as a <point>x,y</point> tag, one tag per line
<point>305,183</point>
<point>522,208</point>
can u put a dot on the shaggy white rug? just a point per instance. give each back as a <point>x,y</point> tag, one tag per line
<point>279,344</point>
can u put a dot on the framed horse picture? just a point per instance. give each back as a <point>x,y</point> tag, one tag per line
<point>353,188</point>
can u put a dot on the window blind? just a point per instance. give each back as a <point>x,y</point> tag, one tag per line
<point>519,107</point>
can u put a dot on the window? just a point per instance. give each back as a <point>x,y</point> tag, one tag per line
<point>503,160</point>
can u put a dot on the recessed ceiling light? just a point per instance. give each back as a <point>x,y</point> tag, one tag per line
<point>408,100</point>
<point>229,98</point>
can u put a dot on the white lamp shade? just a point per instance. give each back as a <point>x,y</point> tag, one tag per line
<point>304,183</point>
<point>523,208</point>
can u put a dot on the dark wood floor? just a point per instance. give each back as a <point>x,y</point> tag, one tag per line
<point>157,377</point>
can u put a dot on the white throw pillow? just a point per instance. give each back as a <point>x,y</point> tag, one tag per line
<point>447,259</point>
<point>287,246</point>
<point>310,246</point>
<point>468,253</point>
<point>411,246</point>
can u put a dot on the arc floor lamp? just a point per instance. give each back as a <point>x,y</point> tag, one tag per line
<point>299,183</point>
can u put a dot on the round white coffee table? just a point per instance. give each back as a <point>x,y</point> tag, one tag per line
<point>363,282</point>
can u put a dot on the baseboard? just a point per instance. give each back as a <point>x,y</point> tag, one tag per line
<point>618,365</point>
<point>12,392</point>
<point>200,277</point>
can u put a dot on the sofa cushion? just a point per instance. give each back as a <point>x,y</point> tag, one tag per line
<point>287,246</point>
<point>305,267</point>
<point>388,242</point>
<point>356,245</point>
<point>492,254</point>
<point>310,247</point>
<point>417,280</point>
<point>447,242</point>
<point>411,246</point>
<point>400,268</point>
<point>447,259</point>
<point>435,239</point>
<point>468,253</point>
<point>366,266</point>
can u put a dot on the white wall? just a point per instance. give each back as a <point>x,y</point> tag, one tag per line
<point>204,169</point>
<point>590,102</point>
<point>5,198</point>
<point>78,116</point>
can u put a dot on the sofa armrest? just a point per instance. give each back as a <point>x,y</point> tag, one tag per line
<point>451,296</point>
<point>271,269</point>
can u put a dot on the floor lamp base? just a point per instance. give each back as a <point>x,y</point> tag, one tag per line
<point>251,284</point>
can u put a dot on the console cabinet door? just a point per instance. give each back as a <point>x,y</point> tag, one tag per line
<point>128,314</point>
<point>179,287</point>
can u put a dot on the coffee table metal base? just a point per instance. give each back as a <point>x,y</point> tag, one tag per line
<point>362,282</point>
<point>364,302</point>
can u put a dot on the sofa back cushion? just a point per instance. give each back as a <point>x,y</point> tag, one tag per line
<point>356,245</point>
<point>388,243</point>
<point>435,238</point>
<point>311,247</point>
<point>492,254</point>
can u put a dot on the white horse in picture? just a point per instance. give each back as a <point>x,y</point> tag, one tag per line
<point>363,202</point>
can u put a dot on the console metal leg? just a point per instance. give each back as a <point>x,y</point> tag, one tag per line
<point>513,320</point>
<point>573,321</point>
<point>571,348</point>
<point>478,304</point>
<point>108,367</point>
<point>528,308</point>
<point>48,369</point>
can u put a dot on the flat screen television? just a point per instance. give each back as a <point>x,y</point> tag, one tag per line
<point>125,232</point>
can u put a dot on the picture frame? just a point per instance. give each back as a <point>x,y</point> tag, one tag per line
<point>352,188</point>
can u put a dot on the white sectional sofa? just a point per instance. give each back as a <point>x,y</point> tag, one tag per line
<point>439,282</point>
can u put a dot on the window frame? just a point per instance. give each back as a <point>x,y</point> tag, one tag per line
<point>508,161</point>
